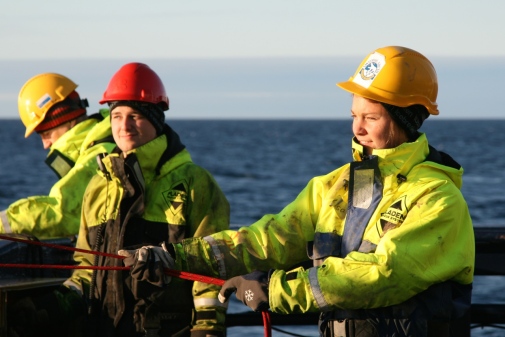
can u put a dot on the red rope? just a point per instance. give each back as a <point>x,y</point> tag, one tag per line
<point>51,245</point>
<point>171,272</point>
<point>57,266</point>
<point>267,325</point>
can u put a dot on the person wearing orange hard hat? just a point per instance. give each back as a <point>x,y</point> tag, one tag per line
<point>50,106</point>
<point>147,191</point>
<point>386,241</point>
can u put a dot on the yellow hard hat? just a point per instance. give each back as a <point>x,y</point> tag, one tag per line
<point>39,94</point>
<point>398,76</point>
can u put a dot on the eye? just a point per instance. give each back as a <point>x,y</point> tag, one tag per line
<point>45,135</point>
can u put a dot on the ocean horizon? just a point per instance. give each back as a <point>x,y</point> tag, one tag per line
<point>264,88</point>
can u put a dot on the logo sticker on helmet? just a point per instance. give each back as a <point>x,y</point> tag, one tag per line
<point>371,68</point>
<point>43,101</point>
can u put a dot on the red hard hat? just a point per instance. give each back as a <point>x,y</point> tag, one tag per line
<point>136,82</point>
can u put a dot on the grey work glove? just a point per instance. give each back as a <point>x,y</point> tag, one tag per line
<point>148,264</point>
<point>251,289</point>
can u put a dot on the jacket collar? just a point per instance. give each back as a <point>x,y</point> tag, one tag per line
<point>165,152</point>
<point>403,158</point>
<point>398,160</point>
<point>70,143</point>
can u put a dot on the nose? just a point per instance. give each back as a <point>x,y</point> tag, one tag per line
<point>357,126</point>
<point>46,143</point>
<point>125,124</point>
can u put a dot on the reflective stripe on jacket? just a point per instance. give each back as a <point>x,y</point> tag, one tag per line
<point>58,213</point>
<point>128,205</point>
<point>419,234</point>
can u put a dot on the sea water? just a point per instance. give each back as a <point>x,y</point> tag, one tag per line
<point>262,165</point>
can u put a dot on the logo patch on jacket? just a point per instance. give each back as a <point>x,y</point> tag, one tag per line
<point>394,216</point>
<point>175,198</point>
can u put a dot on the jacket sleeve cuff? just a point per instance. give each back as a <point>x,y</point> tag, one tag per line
<point>194,255</point>
<point>180,257</point>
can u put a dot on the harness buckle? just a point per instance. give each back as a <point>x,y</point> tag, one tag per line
<point>339,328</point>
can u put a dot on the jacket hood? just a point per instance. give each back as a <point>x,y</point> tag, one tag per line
<point>84,135</point>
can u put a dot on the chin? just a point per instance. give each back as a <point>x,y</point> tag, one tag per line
<point>126,147</point>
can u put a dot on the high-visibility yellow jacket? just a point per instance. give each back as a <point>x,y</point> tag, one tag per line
<point>73,158</point>
<point>418,234</point>
<point>156,194</point>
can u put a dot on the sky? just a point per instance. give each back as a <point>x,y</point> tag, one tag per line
<point>257,41</point>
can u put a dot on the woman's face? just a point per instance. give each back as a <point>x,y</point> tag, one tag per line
<point>130,128</point>
<point>373,127</point>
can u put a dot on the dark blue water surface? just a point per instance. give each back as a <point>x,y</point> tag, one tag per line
<point>262,165</point>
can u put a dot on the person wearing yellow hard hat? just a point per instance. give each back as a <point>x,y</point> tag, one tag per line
<point>389,235</point>
<point>147,190</point>
<point>50,106</point>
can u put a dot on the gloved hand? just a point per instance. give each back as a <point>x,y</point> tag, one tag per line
<point>148,263</point>
<point>251,289</point>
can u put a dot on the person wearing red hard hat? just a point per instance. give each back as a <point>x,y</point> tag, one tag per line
<point>136,88</point>
<point>147,192</point>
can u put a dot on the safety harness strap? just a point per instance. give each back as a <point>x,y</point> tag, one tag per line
<point>365,193</point>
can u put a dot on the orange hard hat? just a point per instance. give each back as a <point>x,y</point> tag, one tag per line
<point>398,76</point>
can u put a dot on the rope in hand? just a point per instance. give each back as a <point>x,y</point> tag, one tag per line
<point>171,272</point>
